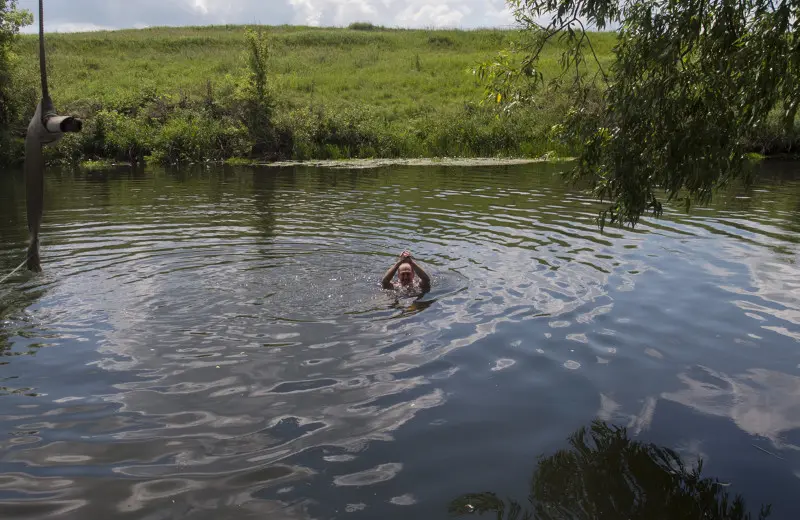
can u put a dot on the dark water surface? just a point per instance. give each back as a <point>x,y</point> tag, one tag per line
<point>213,344</point>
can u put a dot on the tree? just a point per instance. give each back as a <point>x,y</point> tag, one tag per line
<point>691,82</point>
<point>11,20</point>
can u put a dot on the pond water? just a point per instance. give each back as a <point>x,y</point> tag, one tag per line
<point>214,343</point>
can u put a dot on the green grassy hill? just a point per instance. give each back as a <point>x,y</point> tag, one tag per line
<point>172,93</point>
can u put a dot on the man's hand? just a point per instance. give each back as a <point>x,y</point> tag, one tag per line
<point>404,257</point>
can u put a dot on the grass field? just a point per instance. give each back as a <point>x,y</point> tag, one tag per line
<point>338,93</point>
<point>176,95</point>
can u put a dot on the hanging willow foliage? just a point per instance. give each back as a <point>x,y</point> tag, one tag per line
<point>671,115</point>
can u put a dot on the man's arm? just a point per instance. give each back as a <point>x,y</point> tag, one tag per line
<point>387,278</point>
<point>425,280</point>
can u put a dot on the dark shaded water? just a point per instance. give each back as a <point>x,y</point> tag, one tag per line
<point>214,344</point>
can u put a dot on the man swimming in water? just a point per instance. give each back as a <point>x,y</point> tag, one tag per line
<point>406,268</point>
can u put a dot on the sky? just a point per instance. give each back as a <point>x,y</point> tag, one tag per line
<point>84,15</point>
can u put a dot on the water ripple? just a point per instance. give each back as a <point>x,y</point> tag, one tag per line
<point>216,342</point>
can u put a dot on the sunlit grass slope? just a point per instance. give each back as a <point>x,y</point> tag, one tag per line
<point>338,92</point>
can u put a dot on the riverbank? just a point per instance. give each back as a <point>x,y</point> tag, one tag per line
<point>360,164</point>
<point>178,95</point>
<point>185,95</point>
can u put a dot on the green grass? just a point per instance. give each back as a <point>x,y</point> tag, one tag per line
<point>339,93</point>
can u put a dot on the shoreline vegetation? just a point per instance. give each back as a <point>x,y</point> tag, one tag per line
<point>279,95</point>
<point>359,163</point>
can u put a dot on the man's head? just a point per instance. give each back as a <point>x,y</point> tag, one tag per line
<point>405,274</point>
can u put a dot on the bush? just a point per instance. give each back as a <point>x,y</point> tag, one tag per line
<point>441,41</point>
<point>363,26</point>
<point>11,109</point>
<point>348,133</point>
<point>189,136</point>
<point>774,137</point>
<point>22,95</point>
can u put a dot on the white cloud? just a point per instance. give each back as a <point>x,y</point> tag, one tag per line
<point>332,12</point>
<point>413,13</point>
<point>80,15</point>
<point>435,15</point>
<point>200,5</point>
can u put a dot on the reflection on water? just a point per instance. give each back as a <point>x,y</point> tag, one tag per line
<point>214,343</point>
<point>763,403</point>
<point>605,474</point>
